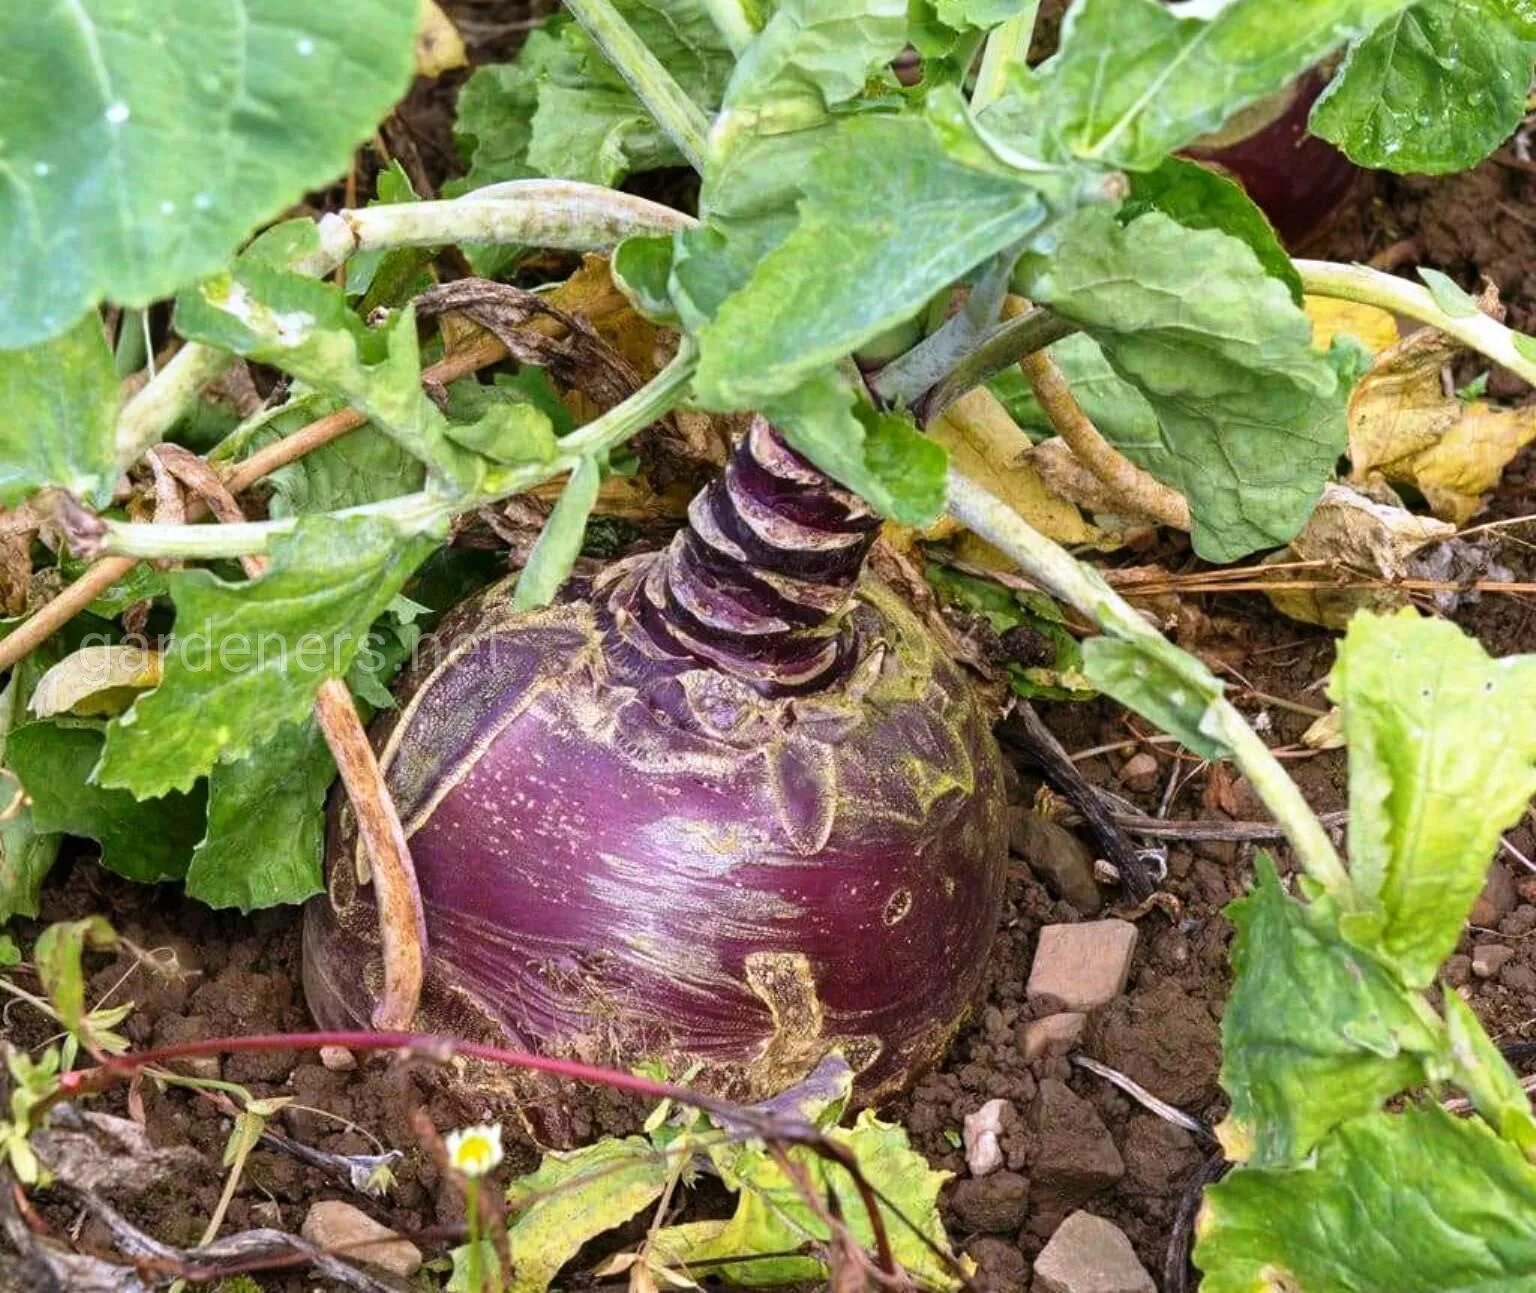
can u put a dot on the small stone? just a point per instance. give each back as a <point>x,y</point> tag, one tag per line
<point>1053,1035</point>
<point>983,1152</point>
<point>1519,978</point>
<point>1140,773</point>
<point>1000,1266</point>
<point>1090,1255</point>
<point>1498,898</point>
<point>1061,860</point>
<point>993,1205</point>
<point>267,1213</point>
<point>1489,958</point>
<point>338,1059</point>
<point>1456,969</point>
<point>1082,966</point>
<point>352,1234</point>
<point>1075,1156</point>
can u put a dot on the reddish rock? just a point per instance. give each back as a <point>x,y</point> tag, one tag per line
<point>1082,967</point>
<point>1090,1255</point>
<point>1075,1156</point>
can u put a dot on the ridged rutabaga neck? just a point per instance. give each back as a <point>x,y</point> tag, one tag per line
<point>757,582</point>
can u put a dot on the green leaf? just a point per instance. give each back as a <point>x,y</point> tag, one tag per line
<point>27,853</point>
<point>304,327</point>
<point>107,107</point>
<point>1133,80</point>
<point>1251,417</point>
<point>1198,198</point>
<point>773,1217</point>
<point>1315,1033</point>
<point>58,412</point>
<point>889,217</point>
<point>1166,686</point>
<point>143,841</point>
<point>1484,1073</point>
<point>559,542</point>
<point>1416,1202</point>
<point>10,954</point>
<point>571,1198</point>
<point>363,466</point>
<point>57,955</point>
<point>1434,726</point>
<point>881,456</point>
<point>248,657</point>
<point>389,278</point>
<point>1449,294</point>
<point>1518,15</point>
<point>641,268</point>
<point>266,824</point>
<point>1433,89</point>
<point>508,431</point>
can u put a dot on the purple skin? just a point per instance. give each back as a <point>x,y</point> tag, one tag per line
<point>1296,179</point>
<point>728,803</point>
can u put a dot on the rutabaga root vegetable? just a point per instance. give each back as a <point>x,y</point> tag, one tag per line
<point>728,803</point>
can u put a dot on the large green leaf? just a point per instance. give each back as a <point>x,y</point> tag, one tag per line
<point>141,841</point>
<point>1416,1202</point>
<point>1134,80</point>
<point>266,824</point>
<point>889,217</point>
<point>248,657</point>
<point>1316,1032</point>
<point>1251,417</point>
<point>143,144</point>
<point>58,412</point>
<point>1442,759</point>
<point>1435,88</point>
<point>1198,198</point>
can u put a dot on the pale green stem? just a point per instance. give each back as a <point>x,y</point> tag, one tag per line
<point>1003,347</point>
<point>1007,48</point>
<point>1055,569</point>
<point>733,23</point>
<point>535,213</point>
<point>1371,287</point>
<point>164,400</point>
<point>677,114</point>
<point>411,513</point>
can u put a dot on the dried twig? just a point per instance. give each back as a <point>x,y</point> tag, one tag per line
<point>1237,832</point>
<point>1140,1094</point>
<point>1025,730</point>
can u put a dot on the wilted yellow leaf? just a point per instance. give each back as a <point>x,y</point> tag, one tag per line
<point>1373,328</point>
<point>1406,429</point>
<point>986,444</point>
<point>439,47</point>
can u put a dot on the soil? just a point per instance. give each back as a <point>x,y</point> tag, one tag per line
<point>1069,1138</point>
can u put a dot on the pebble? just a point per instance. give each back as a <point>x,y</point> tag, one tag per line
<point>1140,773</point>
<point>1090,1255</point>
<point>338,1059</point>
<point>1498,898</point>
<point>1053,1035</point>
<point>1456,969</point>
<point>1000,1266</point>
<point>1489,958</point>
<point>983,1152</point>
<point>1082,966</point>
<point>353,1234</point>
<point>1061,860</point>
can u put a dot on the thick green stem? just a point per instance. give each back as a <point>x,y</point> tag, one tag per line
<point>1514,350</point>
<point>642,71</point>
<point>1005,346</point>
<point>1054,568</point>
<point>1007,48</point>
<point>412,513</point>
<point>733,22</point>
<point>534,213</point>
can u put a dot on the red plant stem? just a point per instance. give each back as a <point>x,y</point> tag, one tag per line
<point>769,1126</point>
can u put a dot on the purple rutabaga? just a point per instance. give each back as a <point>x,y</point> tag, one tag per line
<point>728,802</point>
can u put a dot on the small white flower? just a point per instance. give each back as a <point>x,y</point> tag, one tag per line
<point>475,1150</point>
